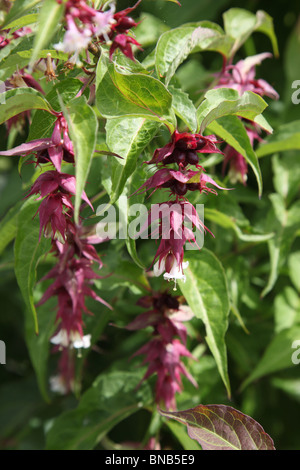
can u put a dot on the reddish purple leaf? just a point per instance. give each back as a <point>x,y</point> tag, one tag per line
<point>221,427</point>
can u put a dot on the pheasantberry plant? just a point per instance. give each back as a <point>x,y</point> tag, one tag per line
<point>157,259</point>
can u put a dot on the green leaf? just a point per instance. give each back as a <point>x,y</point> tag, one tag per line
<point>113,397</point>
<point>43,122</point>
<point>39,344</point>
<point>8,226</point>
<point>137,94</point>
<point>83,126</point>
<point>20,58</point>
<point>261,121</point>
<point>48,21</point>
<point>125,204</point>
<point>18,9</point>
<point>8,50</point>
<point>265,25</point>
<point>206,293</point>
<point>286,178</point>
<point>17,404</point>
<point>127,137</point>
<point>289,386</point>
<point>292,66</point>
<point>24,21</point>
<point>176,45</point>
<point>287,309</point>
<point>277,356</point>
<point>286,225</point>
<point>184,108</point>
<point>21,99</point>
<point>221,427</point>
<point>286,137</point>
<point>229,222</point>
<point>240,24</point>
<point>232,131</point>
<point>28,251</point>
<point>125,273</point>
<point>224,101</point>
<point>294,269</point>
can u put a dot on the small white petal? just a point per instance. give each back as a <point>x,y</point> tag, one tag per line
<point>177,272</point>
<point>159,267</point>
<point>104,21</point>
<point>61,338</point>
<point>82,342</point>
<point>74,40</point>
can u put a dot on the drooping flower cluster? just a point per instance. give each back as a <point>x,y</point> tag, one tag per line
<point>167,346</point>
<point>72,245</point>
<point>55,150</point>
<point>174,215</point>
<point>84,23</point>
<point>241,77</point>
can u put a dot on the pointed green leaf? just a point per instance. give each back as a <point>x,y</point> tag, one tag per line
<point>19,59</point>
<point>232,131</point>
<point>287,309</point>
<point>125,204</point>
<point>240,24</point>
<point>184,108</point>
<point>39,346</point>
<point>48,21</point>
<point>43,122</point>
<point>206,293</point>
<point>127,137</point>
<point>225,101</point>
<point>8,226</point>
<point>24,21</point>
<point>176,45</point>
<point>286,225</point>
<point>289,386</point>
<point>286,137</point>
<point>277,356</point>
<point>113,397</point>
<point>83,126</point>
<point>21,99</point>
<point>28,251</point>
<point>18,9</point>
<point>294,268</point>
<point>265,25</point>
<point>229,222</point>
<point>135,94</point>
<point>286,175</point>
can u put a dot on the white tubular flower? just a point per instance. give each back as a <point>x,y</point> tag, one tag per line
<point>74,339</point>
<point>103,21</point>
<point>74,40</point>
<point>177,272</point>
<point>174,272</point>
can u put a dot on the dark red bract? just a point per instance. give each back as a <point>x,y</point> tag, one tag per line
<point>183,149</point>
